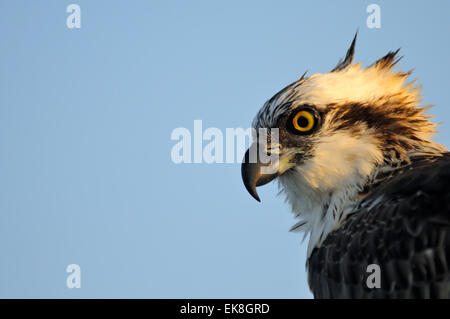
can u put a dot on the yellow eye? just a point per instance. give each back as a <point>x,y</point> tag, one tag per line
<point>303,121</point>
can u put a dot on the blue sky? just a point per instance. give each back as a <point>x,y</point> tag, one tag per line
<point>86,116</point>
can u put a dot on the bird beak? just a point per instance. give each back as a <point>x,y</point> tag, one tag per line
<point>257,173</point>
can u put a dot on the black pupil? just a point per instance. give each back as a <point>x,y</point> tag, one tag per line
<point>302,121</point>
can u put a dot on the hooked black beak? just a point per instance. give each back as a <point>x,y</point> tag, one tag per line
<point>253,174</point>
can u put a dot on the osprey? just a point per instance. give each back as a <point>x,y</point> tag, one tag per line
<point>357,164</point>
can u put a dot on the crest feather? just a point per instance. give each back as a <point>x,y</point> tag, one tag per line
<point>388,61</point>
<point>342,64</point>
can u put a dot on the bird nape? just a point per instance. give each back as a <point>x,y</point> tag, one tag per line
<point>357,164</point>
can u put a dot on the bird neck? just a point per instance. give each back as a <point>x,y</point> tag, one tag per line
<point>322,211</point>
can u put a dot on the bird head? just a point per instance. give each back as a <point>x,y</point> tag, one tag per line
<point>335,131</point>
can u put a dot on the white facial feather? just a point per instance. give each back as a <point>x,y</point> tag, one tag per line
<point>340,160</point>
<point>324,188</point>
